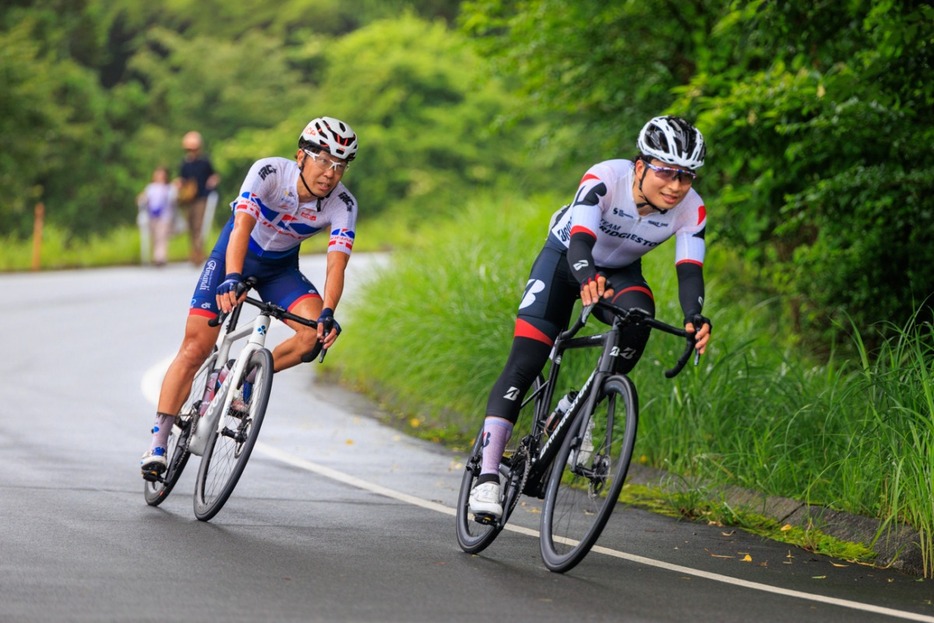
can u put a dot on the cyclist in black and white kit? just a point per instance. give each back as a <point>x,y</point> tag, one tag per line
<point>622,210</point>
<point>281,203</point>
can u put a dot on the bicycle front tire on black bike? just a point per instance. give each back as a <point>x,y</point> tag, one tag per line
<point>226,453</point>
<point>177,454</point>
<point>583,487</point>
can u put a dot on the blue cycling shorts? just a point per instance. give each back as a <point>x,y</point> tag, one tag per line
<point>279,280</point>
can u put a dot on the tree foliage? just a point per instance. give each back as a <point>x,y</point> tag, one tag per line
<point>97,93</point>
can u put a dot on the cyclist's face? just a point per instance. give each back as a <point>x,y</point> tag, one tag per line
<point>321,172</point>
<point>663,185</point>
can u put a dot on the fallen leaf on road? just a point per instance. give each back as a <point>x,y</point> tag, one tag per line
<point>747,558</point>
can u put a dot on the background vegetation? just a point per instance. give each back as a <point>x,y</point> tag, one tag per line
<point>476,119</point>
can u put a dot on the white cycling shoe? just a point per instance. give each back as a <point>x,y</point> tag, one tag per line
<point>485,499</point>
<point>153,463</point>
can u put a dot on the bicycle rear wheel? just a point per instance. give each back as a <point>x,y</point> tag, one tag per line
<point>585,483</point>
<point>474,535</point>
<point>226,453</point>
<point>177,453</point>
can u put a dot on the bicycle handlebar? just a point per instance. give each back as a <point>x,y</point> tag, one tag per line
<point>635,317</point>
<point>276,312</point>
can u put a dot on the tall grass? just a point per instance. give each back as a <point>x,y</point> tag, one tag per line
<point>433,331</point>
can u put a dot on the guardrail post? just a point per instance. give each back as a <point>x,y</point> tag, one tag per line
<point>38,221</point>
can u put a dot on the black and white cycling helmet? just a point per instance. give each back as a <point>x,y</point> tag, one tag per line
<point>673,141</point>
<point>331,135</point>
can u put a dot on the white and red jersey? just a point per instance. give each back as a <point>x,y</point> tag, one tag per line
<point>604,207</point>
<point>269,195</point>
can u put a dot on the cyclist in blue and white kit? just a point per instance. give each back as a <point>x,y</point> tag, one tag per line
<point>281,203</point>
<point>622,210</point>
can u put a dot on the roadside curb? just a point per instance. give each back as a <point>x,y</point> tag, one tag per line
<point>896,546</point>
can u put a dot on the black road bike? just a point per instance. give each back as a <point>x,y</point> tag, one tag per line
<point>576,461</point>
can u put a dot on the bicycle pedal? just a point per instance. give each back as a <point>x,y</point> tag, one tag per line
<point>485,519</point>
<point>153,476</point>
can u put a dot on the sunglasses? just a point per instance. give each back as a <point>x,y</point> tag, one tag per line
<point>323,162</point>
<point>669,174</point>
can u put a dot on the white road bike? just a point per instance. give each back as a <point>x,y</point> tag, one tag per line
<point>221,418</point>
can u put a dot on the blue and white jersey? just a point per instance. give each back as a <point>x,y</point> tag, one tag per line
<point>622,234</point>
<point>269,195</point>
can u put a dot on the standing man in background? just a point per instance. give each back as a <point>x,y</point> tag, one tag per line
<point>197,179</point>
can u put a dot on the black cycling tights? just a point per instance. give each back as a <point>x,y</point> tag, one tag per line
<point>526,360</point>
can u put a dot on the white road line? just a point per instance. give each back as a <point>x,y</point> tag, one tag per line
<point>150,387</point>
<point>359,483</point>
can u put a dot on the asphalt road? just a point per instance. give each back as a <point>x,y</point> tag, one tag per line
<point>337,518</point>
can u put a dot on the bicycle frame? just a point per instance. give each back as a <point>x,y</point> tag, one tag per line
<point>223,398</point>
<point>542,457</point>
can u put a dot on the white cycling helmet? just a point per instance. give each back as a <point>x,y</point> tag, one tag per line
<point>673,141</point>
<point>331,135</point>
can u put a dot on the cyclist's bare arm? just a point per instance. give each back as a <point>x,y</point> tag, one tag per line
<point>234,258</point>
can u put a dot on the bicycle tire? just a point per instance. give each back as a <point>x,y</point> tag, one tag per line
<point>473,536</point>
<point>177,453</point>
<point>226,454</point>
<point>583,489</point>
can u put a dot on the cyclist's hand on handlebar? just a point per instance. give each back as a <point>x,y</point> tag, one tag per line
<point>595,289</point>
<point>230,292</point>
<point>701,327</point>
<point>328,328</point>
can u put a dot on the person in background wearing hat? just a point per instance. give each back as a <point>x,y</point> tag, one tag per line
<point>197,179</point>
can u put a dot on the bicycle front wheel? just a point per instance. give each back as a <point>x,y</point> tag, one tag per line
<point>177,453</point>
<point>588,475</point>
<point>227,452</point>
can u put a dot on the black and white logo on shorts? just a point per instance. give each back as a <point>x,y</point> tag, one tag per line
<point>533,287</point>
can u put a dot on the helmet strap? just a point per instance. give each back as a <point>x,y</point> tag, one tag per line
<point>301,176</point>
<point>641,204</point>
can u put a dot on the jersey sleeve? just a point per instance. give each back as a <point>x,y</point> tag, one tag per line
<point>344,224</point>
<point>587,207</point>
<point>253,190</point>
<point>690,249</point>
<point>690,244</point>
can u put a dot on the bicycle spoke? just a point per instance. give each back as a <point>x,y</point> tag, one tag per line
<point>227,452</point>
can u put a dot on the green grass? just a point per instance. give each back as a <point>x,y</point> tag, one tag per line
<point>431,335</point>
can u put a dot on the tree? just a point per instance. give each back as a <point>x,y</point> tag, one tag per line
<point>822,129</point>
<point>428,116</point>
